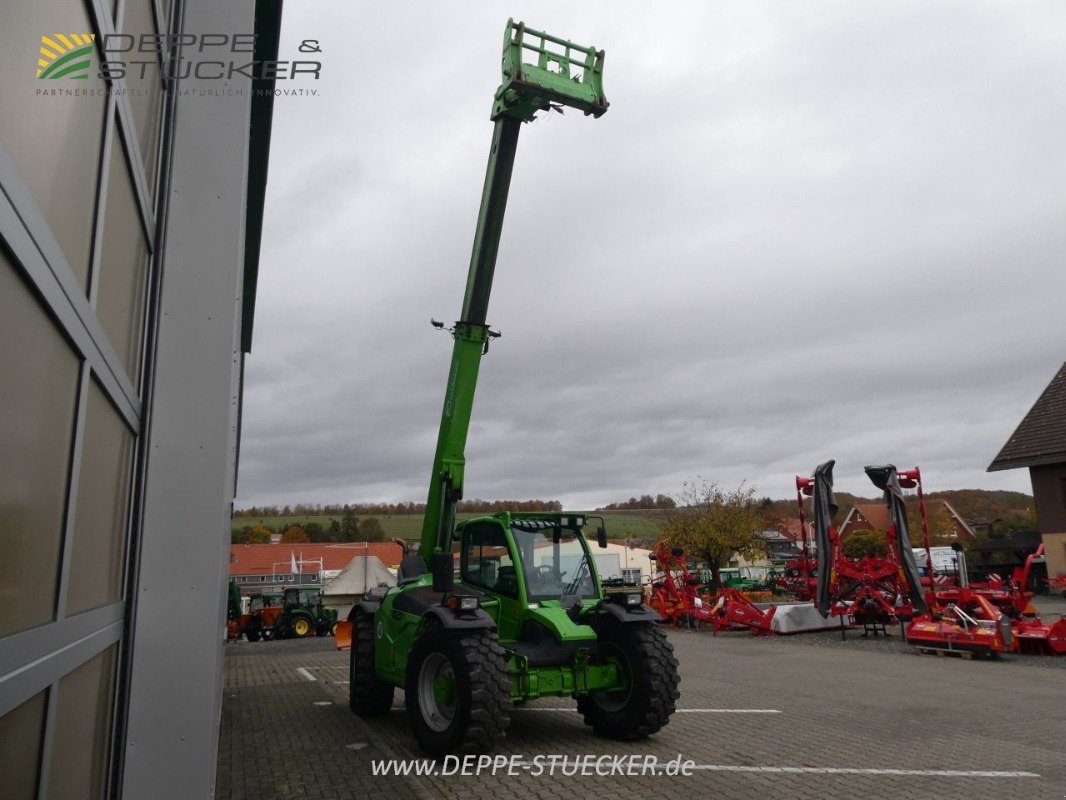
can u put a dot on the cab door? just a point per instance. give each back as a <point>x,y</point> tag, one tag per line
<point>488,563</point>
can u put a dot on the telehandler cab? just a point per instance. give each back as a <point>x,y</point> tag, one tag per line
<point>528,616</point>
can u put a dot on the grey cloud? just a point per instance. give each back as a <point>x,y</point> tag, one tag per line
<point>802,231</point>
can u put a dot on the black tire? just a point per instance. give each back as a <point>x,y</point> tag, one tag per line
<point>649,701</point>
<point>477,714</point>
<point>367,696</point>
<point>253,634</point>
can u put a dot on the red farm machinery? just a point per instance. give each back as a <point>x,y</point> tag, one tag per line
<point>677,597</point>
<point>675,594</point>
<point>872,590</point>
<point>987,617</point>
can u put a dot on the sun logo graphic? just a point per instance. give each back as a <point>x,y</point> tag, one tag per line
<point>65,55</point>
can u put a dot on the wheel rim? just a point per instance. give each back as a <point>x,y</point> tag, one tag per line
<point>333,629</point>
<point>436,692</point>
<point>616,701</point>
<point>301,627</point>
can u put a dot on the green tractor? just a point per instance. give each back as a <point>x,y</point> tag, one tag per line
<point>302,615</point>
<point>527,616</point>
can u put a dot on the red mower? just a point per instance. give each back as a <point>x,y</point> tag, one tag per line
<point>675,594</point>
<point>732,610</point>
<point>999,604</point>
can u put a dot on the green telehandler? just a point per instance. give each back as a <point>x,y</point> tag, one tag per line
<point>527,616</point>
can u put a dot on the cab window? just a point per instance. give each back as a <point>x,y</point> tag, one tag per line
<point>486,561</point>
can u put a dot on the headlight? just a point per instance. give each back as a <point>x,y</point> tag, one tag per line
<point>462,603</point>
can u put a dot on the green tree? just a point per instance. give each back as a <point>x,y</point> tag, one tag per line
<point>315,532</point>
<point>714,525</point>
<point>864,543</point>
<point>349,527</point>
<point>370,530</point>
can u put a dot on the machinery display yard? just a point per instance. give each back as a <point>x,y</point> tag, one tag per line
<point>804,716</point>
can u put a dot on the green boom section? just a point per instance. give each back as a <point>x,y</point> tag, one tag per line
<point>561,73</point>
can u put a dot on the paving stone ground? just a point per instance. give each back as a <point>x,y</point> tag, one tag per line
<point>853,706</point>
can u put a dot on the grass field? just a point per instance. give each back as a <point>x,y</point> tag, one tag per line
<point>633,525</point>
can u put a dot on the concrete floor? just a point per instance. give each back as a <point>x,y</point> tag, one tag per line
<point>790,717</point>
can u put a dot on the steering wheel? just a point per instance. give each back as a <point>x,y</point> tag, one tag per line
<point>542,575</point>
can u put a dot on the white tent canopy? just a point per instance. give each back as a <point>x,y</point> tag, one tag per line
<point>361,573</point>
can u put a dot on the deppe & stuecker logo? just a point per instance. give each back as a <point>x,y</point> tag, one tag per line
<point>205,56</point>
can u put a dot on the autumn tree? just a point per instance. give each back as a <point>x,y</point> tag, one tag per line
<point>294,534</point>
<point>713,525</point>
<point>259,534</point>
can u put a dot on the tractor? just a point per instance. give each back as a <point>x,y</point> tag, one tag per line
<point>263,612</point>
<point>303,615</point>
<point>527,616</point>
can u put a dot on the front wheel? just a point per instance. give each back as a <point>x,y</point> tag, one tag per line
<point>648,696</point>
<point>301,627</point>
<point>458,690</point>
<point>367,696</point>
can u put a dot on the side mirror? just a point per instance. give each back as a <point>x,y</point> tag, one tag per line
<point>601,536</point>
<point>442,566</point>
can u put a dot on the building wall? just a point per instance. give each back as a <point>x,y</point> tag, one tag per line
<point>1049,493</point>
<point>115,478</point>
<point>1055,553</point>
<point>80,185</point>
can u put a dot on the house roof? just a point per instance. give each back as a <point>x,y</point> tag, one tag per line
<point>792,529</point>
<point>1040,438</point>
<point>261,559</point>
<point>876,514</point>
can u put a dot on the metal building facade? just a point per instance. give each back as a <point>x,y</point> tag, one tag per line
<point>130,212</point>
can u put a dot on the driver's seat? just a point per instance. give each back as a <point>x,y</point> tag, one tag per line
<point>507,581</point>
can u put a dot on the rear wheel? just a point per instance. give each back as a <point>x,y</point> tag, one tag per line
<point>367,696</point>
<point>649,671</point>
<point>253,634</point>
<point>458,690</point>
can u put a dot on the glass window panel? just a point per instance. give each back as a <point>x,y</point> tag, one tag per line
<point>38,393</point>
<point>144,82</point>
<point>82,743</point>
<point>99,546</point>
<point>20,748</point>
<point>123,265</point>
<point>54,138</point>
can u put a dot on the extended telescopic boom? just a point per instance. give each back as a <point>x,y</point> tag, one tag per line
<point>562,74</point>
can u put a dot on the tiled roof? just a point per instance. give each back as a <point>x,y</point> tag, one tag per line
<point>876,514</point>
<point>1040,438</point>
<point>261,559</point>
<point>793,530</point>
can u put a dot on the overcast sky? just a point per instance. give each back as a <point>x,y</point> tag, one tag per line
<point>802,231</point>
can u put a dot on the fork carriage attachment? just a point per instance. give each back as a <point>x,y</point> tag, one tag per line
<point>564,74</point>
